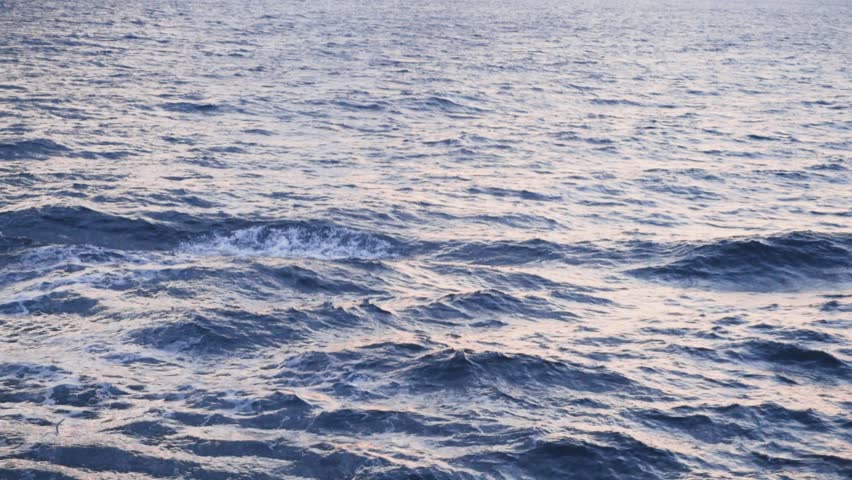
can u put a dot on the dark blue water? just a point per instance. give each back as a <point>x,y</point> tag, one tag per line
<point>425,240</point>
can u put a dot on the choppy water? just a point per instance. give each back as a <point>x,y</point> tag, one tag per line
<point>468,240</point>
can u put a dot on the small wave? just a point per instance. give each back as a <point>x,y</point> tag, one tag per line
<point>191,107</point>
<point>77,225</point>
<point>444,105</point>
<point>304,280</point>
<point>374,421</point>
<point>775,263</point>
<point>791,355</point>
<point>105,458</point>
<point>507,192</point>
<point>320,461</point>
<point>247,405</point>
<point>50,385</point>
<point>33,474</point>
<point>678,189</point>
<point>30,383</point>
<point>355,106</point>
<point>771,413</point>
<point>488,303</point>
<point>58,302</point>
<point>295,241</point>
<point>50,257</point>
<point>503,253</point>
<point>453,368</point>
<point>697,425</point>
<point>615,101</point>
<point>608,455</point>
<point>761,138</point>
<point>148,431</point>
<point>836,306</point>
<point>274,411</point>
<point>508,252</point>
<point>38,149</point>
<point>81,225</point>
<point>12,244</point>
<point>216,332</point>
<point>83,395</point>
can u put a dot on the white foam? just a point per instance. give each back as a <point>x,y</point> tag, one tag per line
<point>328,243</point>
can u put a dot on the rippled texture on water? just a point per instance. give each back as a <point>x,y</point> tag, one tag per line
<point>439,240</point>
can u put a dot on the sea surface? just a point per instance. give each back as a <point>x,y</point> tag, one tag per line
<point>381,239</point>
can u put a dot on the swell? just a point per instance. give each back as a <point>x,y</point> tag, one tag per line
<point>605,455</point>
<point>425,370</point>
<point>300,240</point>
<point>780,262</point>
<point>506,252</point>
<point>223,236</point>
<point>81,225</point>
<point>487,306</point>
<point>750,423</point>
<point>36,149</point>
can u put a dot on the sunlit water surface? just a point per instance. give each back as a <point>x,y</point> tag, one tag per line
<point>425,240</point>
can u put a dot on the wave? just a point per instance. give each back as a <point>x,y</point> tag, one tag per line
<point>308,281</point>
<point>772,263</point>
<point>615,102</point>
<point>503,252</point>
<point>700,426</point>
<point>325,242</point>
<point>355,106</point>
<point>51,386</point>
<point>507,192</point>
<point>28,382</point>
<point>375,421</point>
<point>764,419</point>
<point>791,355</point>
<point>453,368</point>
<point>57,302</point>
<point>836,306</point>
<point>502,279</point>
<point>739,422</point>
<point>216,332</point>
<point>606,455</point>
<point>485,304</point>
<point>191,107</point>
<point>443,105</point>
<point>222,236</point>
<point>536,250</point>
<point>33,474</point>
<point>322,461</point>
<point>81,225</point>
<point>100,458</point>
<point>38,149</point>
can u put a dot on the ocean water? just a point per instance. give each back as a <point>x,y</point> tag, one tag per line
<point>336,239</point>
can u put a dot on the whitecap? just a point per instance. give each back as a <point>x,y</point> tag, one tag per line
<point>325,243</point>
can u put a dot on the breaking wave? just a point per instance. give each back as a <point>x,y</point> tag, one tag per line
<point>296,241</point>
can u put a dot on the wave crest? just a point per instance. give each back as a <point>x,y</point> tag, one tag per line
<point>773,263</point>
<point>295,241</point>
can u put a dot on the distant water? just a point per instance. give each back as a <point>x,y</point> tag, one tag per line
<point>425,240</point>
